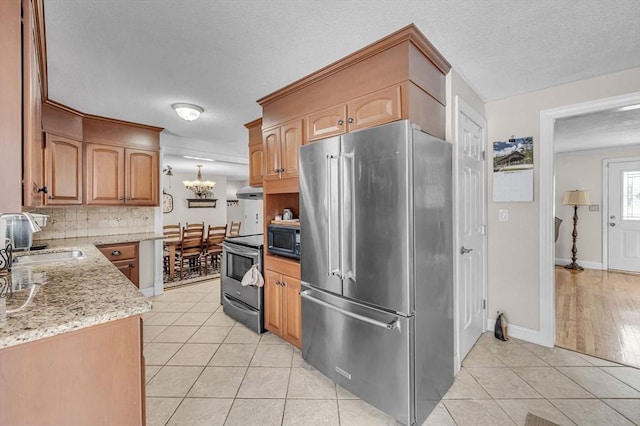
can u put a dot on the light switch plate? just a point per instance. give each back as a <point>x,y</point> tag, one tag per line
<point>594,207</point>
<point>503,215</point>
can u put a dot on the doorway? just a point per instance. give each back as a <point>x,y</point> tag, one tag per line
<point>548,204</point>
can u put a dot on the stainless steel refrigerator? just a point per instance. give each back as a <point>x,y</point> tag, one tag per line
<point>376,259</point>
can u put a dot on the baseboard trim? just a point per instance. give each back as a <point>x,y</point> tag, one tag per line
<point>149,291</point>
<point>583,263</point>
<point>522,333</point>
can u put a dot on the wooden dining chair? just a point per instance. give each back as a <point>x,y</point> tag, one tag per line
<point>234,229</point>
<point>173,234</point>
<point>213,246</point>
<point>193,229</point>
<point>190,253</point>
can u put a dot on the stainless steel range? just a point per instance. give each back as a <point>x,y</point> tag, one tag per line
<point>242,303</point>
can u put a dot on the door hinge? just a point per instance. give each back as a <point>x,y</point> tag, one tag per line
<point>484,303</point>
<point>484,155</point>
<point>483,229</point>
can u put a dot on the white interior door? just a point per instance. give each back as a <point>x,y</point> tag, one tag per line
<point>471,250</point>
<point>624,216</point>
<point>252,223</point>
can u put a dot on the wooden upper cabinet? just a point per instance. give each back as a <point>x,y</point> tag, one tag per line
<point>63,170</point>
<point>256,165</point>
<point>105,175</point>
<point>328,122</point>
<point>32,153</point>
<point>380,107</point>
<point>117,176</point>
<point>256,152</point>
<point>271,146</point>
<point>281,146</point>
<point>291,140</point>
<point>141,177</point>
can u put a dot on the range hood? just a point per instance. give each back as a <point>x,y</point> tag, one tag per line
<point>249,193</point>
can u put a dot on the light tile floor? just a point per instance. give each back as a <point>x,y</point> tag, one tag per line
<point>204,369</point>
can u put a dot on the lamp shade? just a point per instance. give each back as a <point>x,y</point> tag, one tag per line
<point>576,198</point>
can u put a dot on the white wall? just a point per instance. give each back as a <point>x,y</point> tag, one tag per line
<point>182,213</point>
<point>583,170</point>
<point>514,245</point>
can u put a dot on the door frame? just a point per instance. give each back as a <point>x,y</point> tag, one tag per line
<point>605,205</point>
<point>547,336</point>
<point>461,106</point>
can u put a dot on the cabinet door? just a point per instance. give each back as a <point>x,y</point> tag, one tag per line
<point>291,140</point>
<point>105,175</point>
<point>32,155</point>
<point>141,177</point>
<point>271,145</point>
<point>256,165</point>
<point>382,106</point>
<point>292,314</point>
<point>328,122</point>
<point>130,270</point>
<point>272,302</point>
<point>63,170</point>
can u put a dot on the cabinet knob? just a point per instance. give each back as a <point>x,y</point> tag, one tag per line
<point>51,197</point>
<point>116,253</point>
<point>44,190</point>
<point>340,122</point>
<point>120,198</point>
<point>129,198</point>
<point>131,265</point>
<point>349,120</point>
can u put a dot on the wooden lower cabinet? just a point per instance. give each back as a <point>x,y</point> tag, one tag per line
<point>92,376</point>
<point>125,258</point>
<point>282,314</point>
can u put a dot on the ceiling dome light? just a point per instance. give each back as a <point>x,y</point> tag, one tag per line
<point>188,112</point>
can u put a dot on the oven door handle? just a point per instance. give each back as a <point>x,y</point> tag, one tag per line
<point>243,251</point>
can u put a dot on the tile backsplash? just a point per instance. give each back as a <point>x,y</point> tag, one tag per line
<point>72,222</point>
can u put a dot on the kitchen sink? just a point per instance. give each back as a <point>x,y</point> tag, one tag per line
<point>29,259</point>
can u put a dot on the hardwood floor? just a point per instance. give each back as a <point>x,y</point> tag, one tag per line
<point>598,313</point>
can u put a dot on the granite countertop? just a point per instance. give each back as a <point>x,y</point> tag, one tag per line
<point>68,295</point>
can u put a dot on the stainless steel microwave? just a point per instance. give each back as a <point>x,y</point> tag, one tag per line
<point>284,240</point>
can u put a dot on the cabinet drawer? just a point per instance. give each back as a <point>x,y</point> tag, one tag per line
<point>119,252</point>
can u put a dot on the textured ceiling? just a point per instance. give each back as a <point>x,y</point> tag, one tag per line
<point>132,59</point>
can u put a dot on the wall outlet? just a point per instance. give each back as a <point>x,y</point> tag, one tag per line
<point>503,215</point>
<point>594,208</point>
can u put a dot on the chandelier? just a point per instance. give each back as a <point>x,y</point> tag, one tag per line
<point>198,186</point>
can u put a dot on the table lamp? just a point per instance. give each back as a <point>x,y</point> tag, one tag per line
<point>575,198</point>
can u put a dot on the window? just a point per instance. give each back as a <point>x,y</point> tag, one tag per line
<point>631,195</point>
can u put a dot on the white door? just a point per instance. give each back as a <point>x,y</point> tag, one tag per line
<point>471,250</point>
<point>624,216</point>
<point>252,223</point>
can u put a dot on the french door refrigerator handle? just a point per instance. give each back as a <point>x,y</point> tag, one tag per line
<point>347,179</point>
<point>391,325</point>
<point>330,270</point>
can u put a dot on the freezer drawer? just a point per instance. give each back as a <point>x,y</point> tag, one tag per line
<point>248,316</point>
<point>364,350</point>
